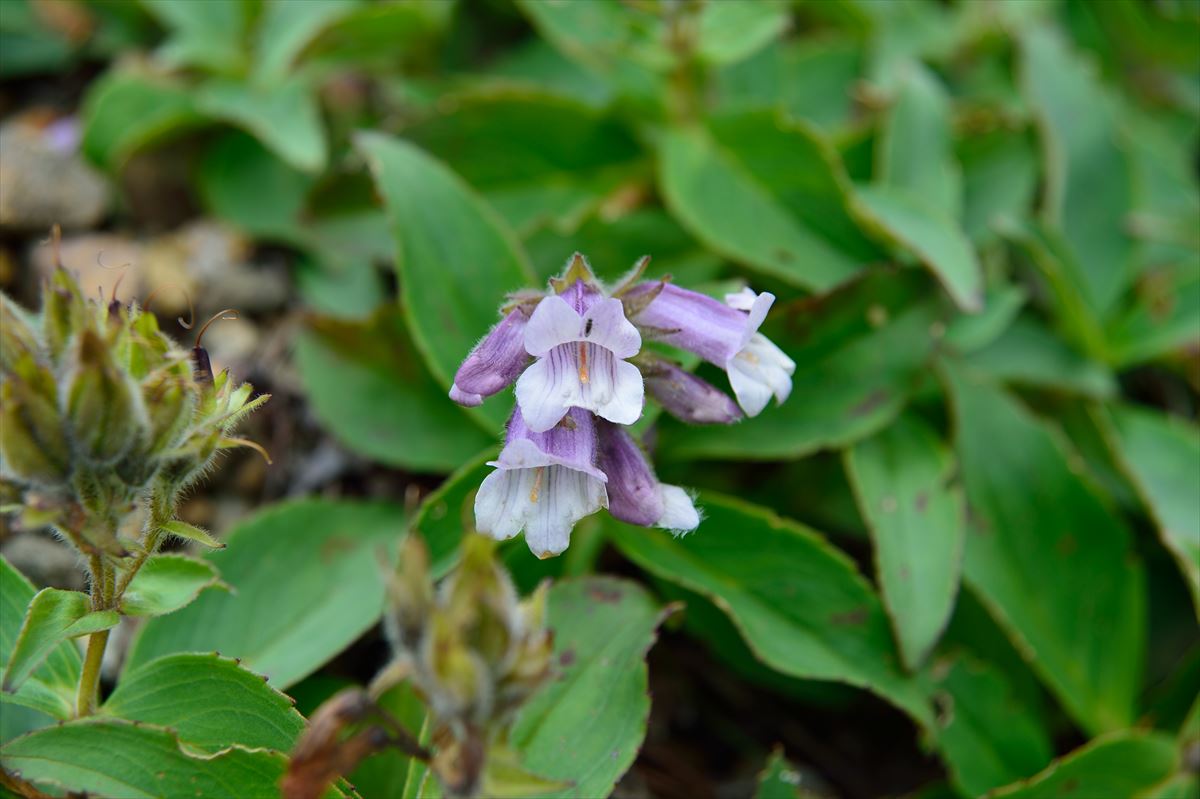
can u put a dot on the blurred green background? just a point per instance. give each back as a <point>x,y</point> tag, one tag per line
<point>982,222</point>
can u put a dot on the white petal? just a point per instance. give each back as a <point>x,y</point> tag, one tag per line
<point>548,389</point>
<point>614,390</point>
<point>553,322</point>
<point>759,371</point>
<point>502,503</point>
<point>610,329</point>
<point>679,513</point>
<point>742,300</point>
<point>565,497</point>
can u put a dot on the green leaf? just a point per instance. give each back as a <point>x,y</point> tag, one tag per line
<point>903,479</point>
<point>371,35</point>
<point>1164,317</point>
<point>385,773</point>
<point>307,579</point>
<point>1161,455</point>
<point>603,35</point>
<point>931,237</point>
<point>1000,174</point>
<point>53,616</point>
<point>1088,183</point>
<point>825,98</point>
<point>284,117</point>
<point>1050,560</point>
<point>779,779</point>
<point>287,27</point>
<point>126,111</point>
<point>206,35</point>
<point>370,389</point>
<point>1120,765</point>
<point>799,603</point>
<point>448,513</point>
<point>984,734</point>
<point>768,193</point>
<point>51,688</point>
<point>249,187</point>
<point>859,353</point>
<point>914,151</point>
<point>191,532</point>
<point>455,257</point>
<point>1027,354</point>
<point>138,761</point>
<point>166,583</point>
<point>558,179</point>
<point>968,333</point>
<point>588,723</point>
<point>732,30</point>
<point>210,702</point>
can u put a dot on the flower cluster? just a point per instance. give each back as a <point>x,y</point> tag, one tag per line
<point>581,377</point>
<point>102,415</point>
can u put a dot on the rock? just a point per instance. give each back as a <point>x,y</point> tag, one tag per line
<point>44,180</point>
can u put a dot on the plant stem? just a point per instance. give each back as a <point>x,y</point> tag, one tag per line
<point>89,680</point>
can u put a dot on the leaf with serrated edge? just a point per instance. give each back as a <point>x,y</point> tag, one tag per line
<point>798,602</point>
<point>209,701</point>
<point>52,687</point>
<point>53,616</point>
<point>588,723</point>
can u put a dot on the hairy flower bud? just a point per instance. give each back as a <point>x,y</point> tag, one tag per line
<point>64,312</point>
<point>104,412</point>
<point>23,453</point>
<point>17,337</point>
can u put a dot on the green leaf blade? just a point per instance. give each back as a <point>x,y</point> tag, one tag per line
<point>166,583</point>
<point>54,616</point>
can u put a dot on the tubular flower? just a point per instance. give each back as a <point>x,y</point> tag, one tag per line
<point>580,347</point>
<point>634,493</point>
<point>495,362</point>
<point>722,334</point>
<point>685,396</point>
<point>544,483</point>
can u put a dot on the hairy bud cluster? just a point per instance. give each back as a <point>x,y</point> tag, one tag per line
<point>473,650</point>
<point>101,412</point>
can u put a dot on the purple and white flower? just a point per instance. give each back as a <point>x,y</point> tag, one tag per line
<point>685,396</point>
<point>634,494</point>
<point>722,334</point>
<point>580,346</point>
<point>495,362</point>
<point>544,483</point>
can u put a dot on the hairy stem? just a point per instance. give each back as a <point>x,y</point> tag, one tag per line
<point>89,678</point>
<point>160,514</point>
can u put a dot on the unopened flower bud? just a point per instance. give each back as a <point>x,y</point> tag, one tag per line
<point>683,395</point>
<point>27,445</point>
<point>410,593</point>
<point>105,414</point>
<point>17,337</point>
<point>169,403</point>
<point>64,312</point>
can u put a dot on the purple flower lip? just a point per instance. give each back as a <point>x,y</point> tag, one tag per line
<point>580,362</point>
<point>544,483</point>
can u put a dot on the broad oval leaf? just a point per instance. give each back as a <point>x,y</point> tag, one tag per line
<point>209,701</point>
<point>987,738</point>
<point>166,583</point>
<point>307,579</point>
<point>930,236</point>
<point>800,604</point>
<point>51,688</point>
<point>53,617</point>
<point>588,723</point>
<point>285,118</point>
<point>138,760</point>
<point>455,256</point>
<point>1121,765</point>
<point>768,193</point>
<point>369,387</point>
<point>902,478</point>
<point>1050,560</point>
<point>125,111</point>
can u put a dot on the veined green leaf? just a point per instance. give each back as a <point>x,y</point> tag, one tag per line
<point>903,479</point>
<point>191,532</point>
<point>126,111</point>
<point>53,617</point>
<point>1050,560</point>
<point>285,118</point>
<point>307,579</point>
<point>799,603</point>
<point>166,583</point>
<point>1122,764</point>
<point>51,688</point>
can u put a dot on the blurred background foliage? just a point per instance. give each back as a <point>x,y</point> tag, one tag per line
<point>982,222</point>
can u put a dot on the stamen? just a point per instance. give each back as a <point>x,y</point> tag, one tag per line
<point>537,483</point>
<point>583,367</point>
<point>191,322</point>
<point>219,315</point>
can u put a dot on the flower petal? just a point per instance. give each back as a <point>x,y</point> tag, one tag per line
<point>565,497</point>
<point>614,390</point>
<point>464,398</point>
<point>553,322</point>
<point>605,325</point>
<point>633,494</point>
<point>759,371</point>
<point>548,388</point>
<point>502,503</point>
<point>496,360</point>
<point>679,512</point>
